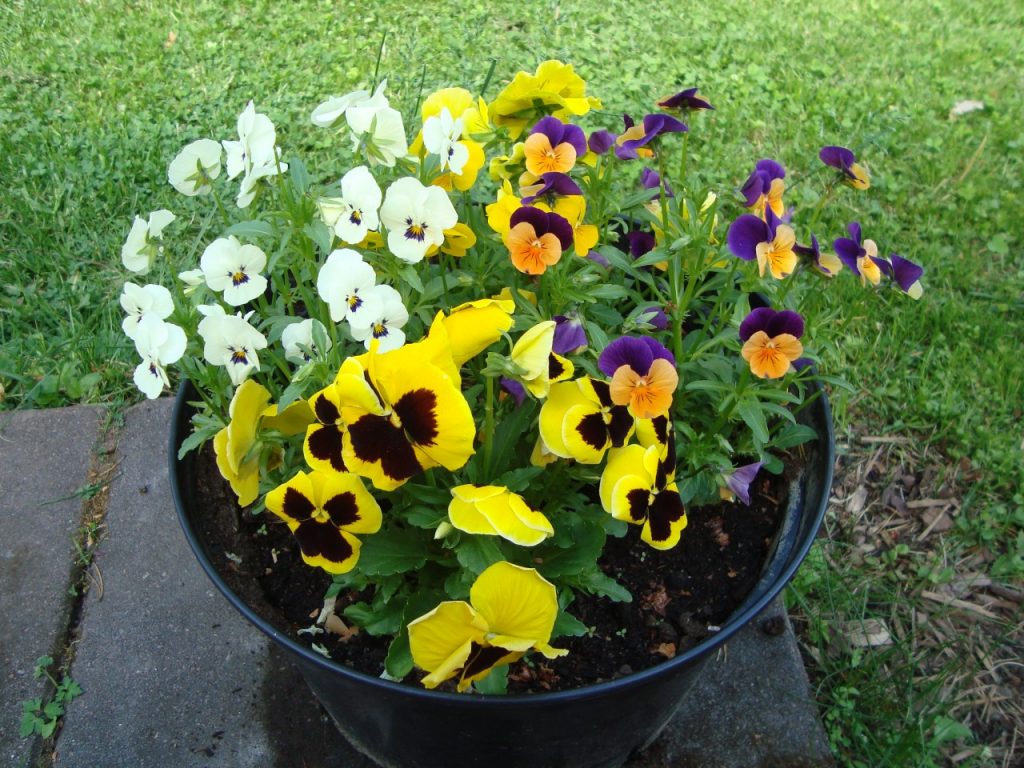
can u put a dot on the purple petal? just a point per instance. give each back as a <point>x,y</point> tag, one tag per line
<point>659,350</point>
<point>837,157</point>
<point>514,388</point>
<point>554,183</point>
<point>640,243</point>
<point>574,135</point>
<point>739,480</point>
<point>601,141</point>
<point>656,124</point>
<point>904,271</point>
<point>562,229</point>
<point>687,99</point>
<point>597,258</point>
<point>744,236</point>
<point>753,188</point>
<point>756,321</point>
<point>813,250</point>
<point>848,252</point>
<point>551,127</point>
<point>543,223</point>
<point>771,169</point>
<point>785,321</point>
<point>658,320</point>
<point>854,229</point>
<point>802,362</point>
<point>651,179</point>
<point>626,350</point>
<point>570,337</point>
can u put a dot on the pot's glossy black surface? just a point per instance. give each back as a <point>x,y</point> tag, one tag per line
<point>597,726</point>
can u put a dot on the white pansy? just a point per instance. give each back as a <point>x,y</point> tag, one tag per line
<point>195,167</point>
<point>234,268</point>
<point>360,113</point>
<point>230,341</point>
<point>385,138</point>
<point>298,336</point>
<point>143,244</point>
<point>330,113</point>
<point>192,278</point>
<point>346,283</point>
<point>441,134</point>
<point>386,327</point>
<point>416,217</point>
<point>138,301</point>
<point>247,189</point>
<point>255,145</point>
<point>354,213</point>
<point>160,344</point>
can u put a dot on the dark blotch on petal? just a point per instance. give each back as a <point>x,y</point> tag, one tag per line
<point>323,540</point>
<point>603,392</point>
<point>326,411</point>
<point>622,422</point>
<point>296,506</point>
<point>417,412</point>
<point>637,500</point>
<point>376,440</point>
<point>555,367</point>
<point>481,658</point>
<point>593,431</point>
<point>666,510</point>
<point>325,444</point>
<point>342,509</point>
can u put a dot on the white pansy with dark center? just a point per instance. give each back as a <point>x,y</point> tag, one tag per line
<point>386,327</point>
<point>234,268</point>
<point>143,244</point>
<point>416,217</point>
<point>138,301</point>
<point>345,282</point>
<point>195,167</point>
<point>297,339</point>
<point>160,344</point>
<point>230,341</point>
<point>441,134</point>
<point>354,213</point>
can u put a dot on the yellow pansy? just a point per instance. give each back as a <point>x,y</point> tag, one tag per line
<point>554,89</point>
<point>500,211</point>
<point>573,208</point>
<point>475,325</point>
<point>579,420</point>
<point>638,486</point>
<point>493,510</point>
<point>532,353</point>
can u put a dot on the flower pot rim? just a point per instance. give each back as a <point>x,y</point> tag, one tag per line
<point>181,422</point>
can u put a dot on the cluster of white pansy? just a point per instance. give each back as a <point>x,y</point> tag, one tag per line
<point>373,312</point>
<point>375,124</point>
<point>158,342</point>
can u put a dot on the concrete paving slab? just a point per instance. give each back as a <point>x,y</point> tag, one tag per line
<point>174,677</point>
<point>44,458</point>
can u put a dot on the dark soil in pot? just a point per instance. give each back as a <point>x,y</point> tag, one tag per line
<point>679,597</point>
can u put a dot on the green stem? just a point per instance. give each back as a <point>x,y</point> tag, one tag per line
<point>488,425</point>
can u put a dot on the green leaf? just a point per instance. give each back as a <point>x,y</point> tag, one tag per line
<point>518,480</point>
<point>48,728</point>
<point>398,662</point>
<point>385,620</point>
<point>649,259</point>
<point>199,436</point>
<point>28,724</point>
<point>793,434</point>
<point>750,411</point>
<point>588,541</point>
<point>318,232</point>
<point>567,625</point>
<point>251,229</point>
<point>597,583</point>
<point>496,682</point>
<point>299,174</point>
<point>396,550</point>
<point>423,516</point>
<point>607,291</point>
<point>476,553</point>
<point>411,278</point>
<point>53,710</point>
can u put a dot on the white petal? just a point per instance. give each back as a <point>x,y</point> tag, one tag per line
<point>150,378</point>
<point>458,158</point>
<point>184,170</point>
<point>244,292</point>
<point>158,220</point>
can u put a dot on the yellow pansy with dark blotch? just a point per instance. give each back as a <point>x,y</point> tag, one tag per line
<point>322,447</point>
<point>324,510</point>
<point>579,420</point>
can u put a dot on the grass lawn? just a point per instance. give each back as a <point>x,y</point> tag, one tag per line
<point>907,607</point>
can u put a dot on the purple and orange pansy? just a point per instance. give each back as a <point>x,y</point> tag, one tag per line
<point>842,159</point>
<point>643,375</point>
<point>764,188</point>
<point>861,256</point>
<point>768,241</point>
<point>554,146</point>
<point>634,140</point>
<point>536,239</point>
<point>771,341</point>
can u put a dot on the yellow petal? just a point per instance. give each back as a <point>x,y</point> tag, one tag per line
<point>246,481</point>
<point>517,603</point>
<point>474,326</point>
<point>293,420</point>
<point>247,405</point>
<point>532,349</point>
<point>441,641</point>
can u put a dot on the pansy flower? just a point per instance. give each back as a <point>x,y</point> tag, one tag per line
<point>374,123</point>
<point>638,487</point>
<point>768,241</point>
<point>298,343</point>
<point>230,341</point>
<point>601,141</point>
<point>331,112</point>
<point>554,89</point>
<point>538,365</point>
<point>354,214</point>
<point>403,414</point>
<point>138,301</point>
<point>844,160</point>
<point>554,146</point>
<point>159,344</point>
<point>771,341</point>
<point>346,283</point>
<point>688,99</point>
<point>441,134</point>
<point>651,179</point>
<point>193,170</point>
<point>827,264</point>
<point>325,511</point>
<point>550,186</point>
<point>143,243</point>
<point>493,510</point>
<point>643,375</point>
<point>234,269</point>
<point>573,209</point>
<point>474,122</point>
<point>416,217</point>
<point>633,141</point>
<point>570,338</point>
<point>475,325</point>
<point>536,239</point>
<point>764,188</point>
<point>579,420</point>
<point>905,273</point>
<point>511,610</point>
<point>255,145</point>
<point>384,327</point>
<point>737,482</point>
<point>457,240</point>
<point>860,257</point>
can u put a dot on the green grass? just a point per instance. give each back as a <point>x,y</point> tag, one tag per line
<point>96,97</point>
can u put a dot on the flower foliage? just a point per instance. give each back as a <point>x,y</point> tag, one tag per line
<point>458,367</point>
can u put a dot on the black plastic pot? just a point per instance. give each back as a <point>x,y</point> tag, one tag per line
<point>597,726</point>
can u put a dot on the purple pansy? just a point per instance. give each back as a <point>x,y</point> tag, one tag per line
<point>854,249</point>
<point>688,99</point>
<point>840,158</point>
<point>552,184</point>
<point>562,133</point>
<point>640,243</point>
<point>651,179</point>
<point>639,353</point>
<point>740,479</point>
<point>904,272</point>
<point>749,231</point>
<point>772,322</point>
<point>600,141</point>
<point>813,251</point>
<point>514,388</point>
<point>760,180</point>
<point>653,126</point>
<point>544,222</point>
<point>570,337</point>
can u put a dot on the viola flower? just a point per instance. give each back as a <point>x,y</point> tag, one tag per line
<point>601,141</point>
<point>550,186</point>
<point>632,143</point>
<point>638,486</point>
<point>138,301</point>
<point>904,272</point>
<point>737,482</point>
<point>386,326</point>
<point>233,445</point>
<point>297,340</point>
<point>416,218</point>
<point>346,283</point>
<point>230,341</point>
<point>403,414</point>
<point>827,264</point>
<point>511,610</point>
<point>374,124</point>
<point>324,510</point>
<point>844,160</point>
<point>193,170</point>
<point>651,179</point>
<point>554,146</point>
<point>861,258</point>
<point>532,353</point>
<point>331,112</point>
<point>193,279</point>
<point>764,188</point>
<point>554,88</point>
<point>771,341</point>
<point>536,239</point>
<point>354,214</point>
<point>579,420</point>
<point>249,187</point>
<point>475,122</point>
<point>143,244</point>
<point>160,344</point>
<point>573,209</point>
<point>234,269</point>
<point>570,338</point>
<point>475,325</point>
<point>768,241</point>
<point>688,99</point>
<point>643,375</point>
<point>441,134</point>
<point>458,240</point>
<point>500,211</point>
<point>255,146</point>
<point>640,243</point>
<point>492,510</point>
